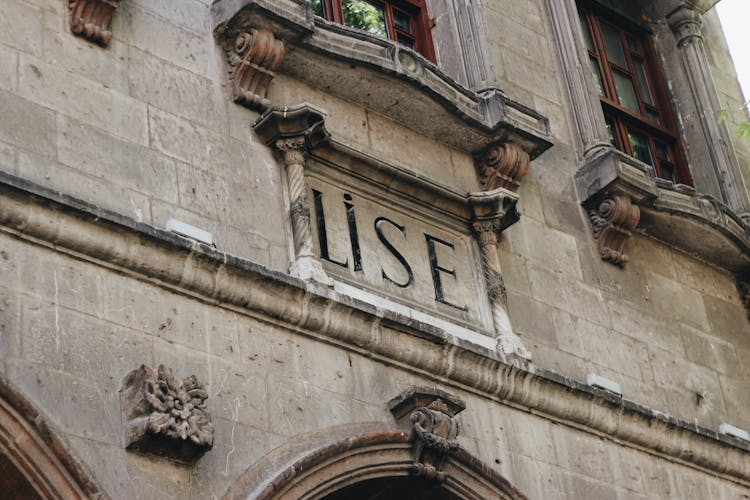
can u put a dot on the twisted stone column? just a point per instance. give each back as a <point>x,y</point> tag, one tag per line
<point>293,131</point>
<point>490,210</point>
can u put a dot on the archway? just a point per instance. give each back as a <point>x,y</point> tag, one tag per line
<point>377,464</point>
<point>34,462</point>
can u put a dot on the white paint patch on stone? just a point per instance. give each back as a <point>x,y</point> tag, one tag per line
<point>185,229</point>
<point>595,380</point>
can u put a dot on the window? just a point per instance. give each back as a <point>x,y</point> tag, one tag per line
<point>404,21</point>
<point>631,90</point>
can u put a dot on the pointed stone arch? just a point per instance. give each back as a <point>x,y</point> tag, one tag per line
<point>377,461</point>
<point>34,461</point>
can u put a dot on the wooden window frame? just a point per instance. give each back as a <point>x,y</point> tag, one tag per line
<point>421,24</point>
<point>622,118</point>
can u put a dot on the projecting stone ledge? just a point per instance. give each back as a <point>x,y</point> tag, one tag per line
<point>165,416</point>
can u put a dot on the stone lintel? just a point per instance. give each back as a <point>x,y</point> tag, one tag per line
<point>102,238</point>
<point>697,224</point>
<point>430,102</point>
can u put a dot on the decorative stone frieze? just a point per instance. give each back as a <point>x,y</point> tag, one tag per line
<point>293,131</point>
<point>90,19</point>
<point>503,166</point>
<point>431,415</point>
<point>164,415</point>
<point>613,222</point>
<point>491,212</point>
<point>253,60</point>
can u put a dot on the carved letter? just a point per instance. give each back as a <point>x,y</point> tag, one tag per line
<point>90,19</point>
<point>400,258</point>
<point>253,60</point>
<point>320,218</point>
<point>353,236</point>
<point>436,269</point>
<point>503,166</point>
<point>612,223</point>
<point>165,416</point>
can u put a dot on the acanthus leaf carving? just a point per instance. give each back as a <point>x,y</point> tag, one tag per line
<point>165,415</point>
<point>613,222</point>
<point>253,60</point>
<point>90,19</point>
<point>503,166</point>
<point>431,415</point>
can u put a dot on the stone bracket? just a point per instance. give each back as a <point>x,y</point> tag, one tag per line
<point>430,414</point>
<point>613,222</point>
<point>164,415</point>
<point>90,19</point>
<point>253,60</point>
<point>675,214</point>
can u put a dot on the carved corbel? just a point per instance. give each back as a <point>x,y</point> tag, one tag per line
<point>491,212</point>
<point>293,131</point>
<point>613,222</point>
<point>90,19</point>
<point>503,166</point>
<point>253,60</point>
<point>431,416</point>
<point>164,415</point>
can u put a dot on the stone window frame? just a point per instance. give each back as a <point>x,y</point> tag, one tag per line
<point>619,192</point>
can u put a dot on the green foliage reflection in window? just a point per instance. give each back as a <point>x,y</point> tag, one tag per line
<point>317,6</point>
<point>367,16</point>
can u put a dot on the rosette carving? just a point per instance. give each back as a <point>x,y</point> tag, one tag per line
<point>503,166</point>
<point>90,19</point>
<point>166,416</point>
<point>613,222</point>
<point>253,60</point>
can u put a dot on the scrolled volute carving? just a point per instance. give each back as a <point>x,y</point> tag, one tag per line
<point>165,415</point>
<point>613,222</point>
<point>503,166</point>
<point>253,60</point>
<point>90,19</point>
<point>430,414</point>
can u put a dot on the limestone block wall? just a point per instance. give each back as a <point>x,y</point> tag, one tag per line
<point>267,385</point>
<point>669,328</point>
<point>143,127</point>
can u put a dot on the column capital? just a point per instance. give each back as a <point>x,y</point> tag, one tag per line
<point>686,21</point>
<point>290,127</point>
<point>492,211</point>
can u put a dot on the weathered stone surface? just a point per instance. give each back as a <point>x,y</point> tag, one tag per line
<point>164,415</point>
<point>27,125</point>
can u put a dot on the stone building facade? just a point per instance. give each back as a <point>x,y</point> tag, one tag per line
<point>248,251</point>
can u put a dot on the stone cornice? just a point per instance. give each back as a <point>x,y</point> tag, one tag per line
<point>410,90</point>
<point>63,224</point>
<point>697,224</point>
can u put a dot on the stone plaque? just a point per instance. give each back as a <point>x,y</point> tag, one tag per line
<point>399,248</point>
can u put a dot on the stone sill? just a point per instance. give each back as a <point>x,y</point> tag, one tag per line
<point>64,224</point>
<point>696,224</point>
<point>405,86</point>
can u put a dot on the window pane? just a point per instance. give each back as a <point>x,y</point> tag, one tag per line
<point>667,171</point>
<point>633,44</point>
<point>611,132</point>
<point>643,87</point>
<point>612,43</point>
<point>662,152</point>
<point>597,76</point>
<point>626,91</point>
<point>653,116</point>
<point>317,6</point>
<point>402,20</point>
<point>639,145</point>
<point>365,15</point>
<point>405,40</point>
<point>586,33</point>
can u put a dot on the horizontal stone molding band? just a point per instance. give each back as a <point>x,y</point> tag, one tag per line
<point>64,224</point>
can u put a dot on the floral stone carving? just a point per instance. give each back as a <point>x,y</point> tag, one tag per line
<point>431,414</point>
<point>253,61</point>
<point>613,222</point>
<point>90,19</point>
<point>166,416</point>
<point>503,166</point>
